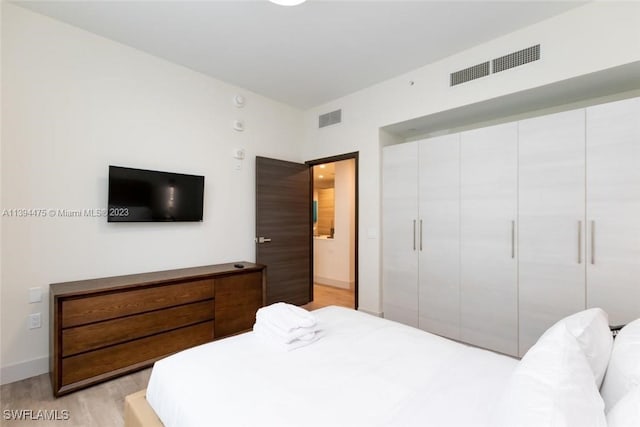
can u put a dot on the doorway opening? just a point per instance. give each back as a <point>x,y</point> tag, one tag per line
<point>335,231</point>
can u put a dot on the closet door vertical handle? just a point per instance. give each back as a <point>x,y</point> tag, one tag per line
<point>593,242</point>
<point>513,239</point>
<point>421,235</point>
<point>579,242</point>
<point>414,234</point>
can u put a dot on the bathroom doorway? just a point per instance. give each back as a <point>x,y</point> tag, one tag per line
<point>335,230</point>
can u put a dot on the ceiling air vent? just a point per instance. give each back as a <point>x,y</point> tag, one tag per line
<point>471,73</point>
<point>329,119</point>
<point>516,59</point>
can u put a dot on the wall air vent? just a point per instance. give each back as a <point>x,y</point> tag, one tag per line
<point>516,59</point>
<point>471,73</point>
<point>329,119</point>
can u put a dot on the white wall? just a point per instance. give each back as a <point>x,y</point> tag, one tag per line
<point>587,39</point>
<point>334,258</point>
<point>74,103</point>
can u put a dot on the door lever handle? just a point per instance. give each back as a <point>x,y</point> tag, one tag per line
<point>262,240</point>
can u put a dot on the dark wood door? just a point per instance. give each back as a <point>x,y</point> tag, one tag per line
<point>283,229</point>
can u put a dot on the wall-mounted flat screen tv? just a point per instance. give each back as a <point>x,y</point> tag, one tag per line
<point>137,195</point>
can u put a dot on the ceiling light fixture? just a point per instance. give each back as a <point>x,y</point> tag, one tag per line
<point>288,2</point>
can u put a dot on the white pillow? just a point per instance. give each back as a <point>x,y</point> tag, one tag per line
<point>552,386</point>
<point>626,413</point>
<point>623,372</point>
<point>591,330</point>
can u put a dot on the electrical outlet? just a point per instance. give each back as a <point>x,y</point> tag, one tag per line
<point>35,321</point>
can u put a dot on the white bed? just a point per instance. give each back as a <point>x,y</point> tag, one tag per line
<point>364,371</point>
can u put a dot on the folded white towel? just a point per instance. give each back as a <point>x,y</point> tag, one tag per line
<point>286,317</point>
<point>267,336</point>
<point>302,334</point>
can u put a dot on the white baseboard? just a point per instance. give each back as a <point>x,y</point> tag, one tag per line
<point>332,282</point>
<point>22,370</point>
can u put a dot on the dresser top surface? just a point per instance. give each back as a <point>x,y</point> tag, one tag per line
<point>156,277</point>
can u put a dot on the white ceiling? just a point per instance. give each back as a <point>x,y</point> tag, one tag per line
<point>304,55</point>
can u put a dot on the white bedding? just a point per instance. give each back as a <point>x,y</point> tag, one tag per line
<point>364,371</point>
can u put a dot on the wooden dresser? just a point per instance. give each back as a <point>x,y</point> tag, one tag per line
<point>104,328</point>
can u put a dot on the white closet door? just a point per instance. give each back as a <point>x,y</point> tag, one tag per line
<point>399,233</point>
<point>551,222</point>
<point>439,235</point>
<point>613,209</point>
<point>488,257</point>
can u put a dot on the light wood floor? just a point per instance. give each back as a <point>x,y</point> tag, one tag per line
<point>98,406</point>
<point>328,295</point>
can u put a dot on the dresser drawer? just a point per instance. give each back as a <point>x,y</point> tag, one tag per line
<point>102,334</point>
<point>87,365</point>
<point>122,303</point>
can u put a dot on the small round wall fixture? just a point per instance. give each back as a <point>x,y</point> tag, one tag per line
<point>239,101</point>
<point>238,125</point>
<point>288,2</point>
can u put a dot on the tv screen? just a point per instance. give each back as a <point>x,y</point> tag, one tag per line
<point>137,195</point>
